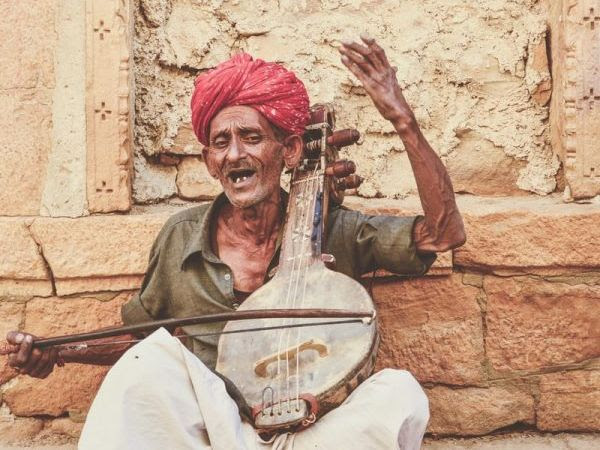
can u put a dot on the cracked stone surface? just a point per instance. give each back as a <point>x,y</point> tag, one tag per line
<point>476,75</point>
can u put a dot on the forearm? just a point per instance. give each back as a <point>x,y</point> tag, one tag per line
<point>442,228</point>
<point>107,354</point>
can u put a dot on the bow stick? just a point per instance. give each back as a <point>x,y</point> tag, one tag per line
<point>306,313</point>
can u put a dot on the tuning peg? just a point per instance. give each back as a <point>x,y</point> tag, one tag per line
<point>341,168</point>
<point>342,138</point>
<point>349,182</point>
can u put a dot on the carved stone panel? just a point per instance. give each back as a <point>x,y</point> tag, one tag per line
<point>109,104</point>
<point>579,58</point>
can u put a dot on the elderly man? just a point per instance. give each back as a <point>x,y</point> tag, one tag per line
<point>250,115</point>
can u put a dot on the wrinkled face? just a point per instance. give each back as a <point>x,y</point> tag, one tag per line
<point>244,155</point>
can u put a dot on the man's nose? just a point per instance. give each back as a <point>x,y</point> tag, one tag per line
<point>236,150</point>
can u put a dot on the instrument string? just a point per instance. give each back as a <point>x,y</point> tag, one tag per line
<point>281,333</point>
<point>305,217</point>
<point>295,273</point>
<point>315,181</point>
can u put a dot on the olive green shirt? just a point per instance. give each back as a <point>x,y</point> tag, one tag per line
<point>186,278</point>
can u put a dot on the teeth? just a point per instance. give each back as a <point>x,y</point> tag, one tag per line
<point>240,179</point>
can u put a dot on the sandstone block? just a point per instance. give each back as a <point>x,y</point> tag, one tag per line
<point>25,288</point>
<point>195,37</point>
<point>70,388</point>
<point>153,182</point>
<point>512,235</point>
<point>18,430</point>
<point>194,182</point>
<point>109,283</point>
<point>62,426</point>
<point>55,316</point>
<point>11,315</point>
<point>575,112</point>
<point>105,252</point>
<point>431,327</point>
<point>7,373</point>
<point>476,411</point>
<point>64,192</point>
<point>185,142</point>
<point>27,49</point>
<point>477,166</point>
<point>28,116</point>
<point>533,324</point>
<point>21,258</point>
<point>109,105</point>
<point>569,401</point>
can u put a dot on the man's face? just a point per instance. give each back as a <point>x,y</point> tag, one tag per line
<point>244,155</point>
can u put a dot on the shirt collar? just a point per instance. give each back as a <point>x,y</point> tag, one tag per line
<point>200,241</point>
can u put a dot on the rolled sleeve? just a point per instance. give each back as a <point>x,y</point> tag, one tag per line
<point>134,312</point>
<point>394,248</point>
<point>364,243</point>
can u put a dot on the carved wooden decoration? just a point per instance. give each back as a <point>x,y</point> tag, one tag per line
<point>581,96</point>
<point>109,104</point>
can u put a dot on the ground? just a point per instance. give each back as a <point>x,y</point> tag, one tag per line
<point>520,441</point>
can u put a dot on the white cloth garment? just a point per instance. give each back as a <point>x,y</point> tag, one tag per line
<point>160,396</point>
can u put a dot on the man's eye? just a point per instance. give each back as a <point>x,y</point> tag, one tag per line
<point>220,144</point>
<point>253,139</point>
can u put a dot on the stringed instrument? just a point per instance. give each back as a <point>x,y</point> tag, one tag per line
<point>292,376</point>
<point>290,370</point>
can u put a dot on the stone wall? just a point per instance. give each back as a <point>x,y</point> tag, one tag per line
<point>503,331</point>
<point>476,75</point>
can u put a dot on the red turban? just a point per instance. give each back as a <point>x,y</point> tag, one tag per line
<point>267,87</point>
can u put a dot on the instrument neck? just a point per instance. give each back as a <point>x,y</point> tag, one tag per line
<point>303,230</point>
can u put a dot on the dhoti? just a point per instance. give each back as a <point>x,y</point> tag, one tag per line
<point>160,396</point>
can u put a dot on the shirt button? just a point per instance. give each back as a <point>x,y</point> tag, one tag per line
<point>227,276</point>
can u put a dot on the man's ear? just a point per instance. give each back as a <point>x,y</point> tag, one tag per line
<point>209,162</point>
<point>292,150</point>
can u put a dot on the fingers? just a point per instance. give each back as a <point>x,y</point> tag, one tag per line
<point>357,55</point>
<point>45,364</point>
<point>371,54</point>
<point>378,52</point>
<point>355,69</point>
<point>21,358</point>
<point>14,337</point>
<point>28,360</point>
<point>37,362</point>
<point>33,361</point>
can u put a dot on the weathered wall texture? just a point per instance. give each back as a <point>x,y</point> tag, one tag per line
<point>503,331</point>
<point>476,74</point>
<point>576,96</point>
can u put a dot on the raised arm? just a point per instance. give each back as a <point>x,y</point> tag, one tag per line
<point>442,228</point>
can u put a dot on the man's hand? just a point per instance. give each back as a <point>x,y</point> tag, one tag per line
<point>37,363</point>
<point>443,227</point>
<point>370,65</point>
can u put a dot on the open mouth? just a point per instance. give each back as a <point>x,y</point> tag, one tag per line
<point>238,176</point>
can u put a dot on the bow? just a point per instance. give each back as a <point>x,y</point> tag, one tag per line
<point>306,313</point>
